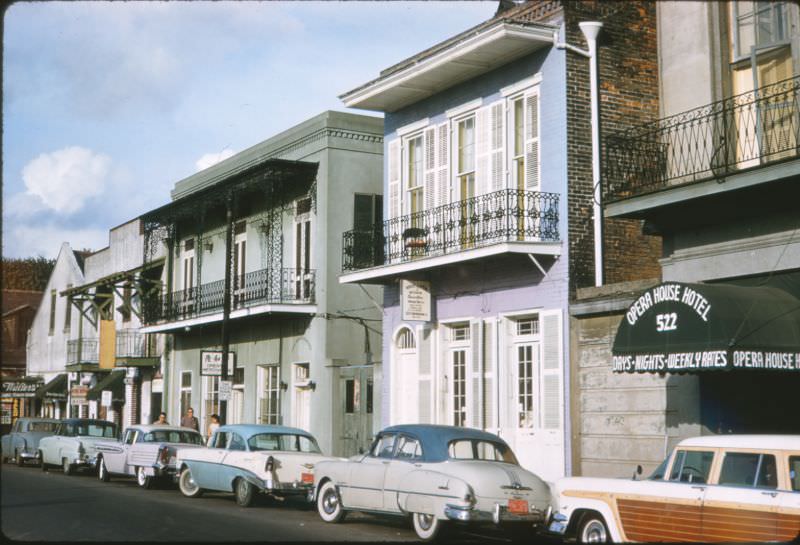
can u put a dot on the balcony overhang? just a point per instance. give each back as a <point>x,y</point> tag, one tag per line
<point>150,361</point>
<point>387,273</point>
<point>645,206</point>
<point>449,64</point>
<point>293,309</point>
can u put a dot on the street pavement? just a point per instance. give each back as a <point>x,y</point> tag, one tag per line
<point>49,506</point>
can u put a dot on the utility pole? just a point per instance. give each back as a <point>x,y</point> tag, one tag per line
<point>226,304</point>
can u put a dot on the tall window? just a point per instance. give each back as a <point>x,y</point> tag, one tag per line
<point>367,220</point>
<point>302,252</point>
<point>239,260</point>
<point>53,297</point>
<point>465,170</point>
<point>459,399</point>
<point>187,262</point>
<point>758,24</point>
<point>269,408</point>
<point>525,386</point>
<point>415,174</point>
<point>68,313</point>
<point>211,403</point>
<point>186,391</point>
<point>518,155</point>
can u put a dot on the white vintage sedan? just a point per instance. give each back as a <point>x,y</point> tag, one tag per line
<point>73,445</point>
<point>22,442</point>
<point>146,452</point>
<point>247,459</point>
<point>436,474</point>
<point>729,488</point>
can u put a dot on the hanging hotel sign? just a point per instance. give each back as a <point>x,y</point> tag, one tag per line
<point>676,327</point>
<point>211,363</point>
<point>416,300</point>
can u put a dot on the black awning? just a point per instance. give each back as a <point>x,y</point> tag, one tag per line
<point>677,327</point>
<point>114,381</point>
<point>56,389</point>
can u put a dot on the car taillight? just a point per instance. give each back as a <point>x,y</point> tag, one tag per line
<point>270,465</point>
<point>163,455</point>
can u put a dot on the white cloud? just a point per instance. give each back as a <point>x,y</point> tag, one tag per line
<point>28,241</point>
<point>210,159</point>
<point>65,179</point>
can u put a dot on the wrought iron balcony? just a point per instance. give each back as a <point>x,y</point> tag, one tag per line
<point>82,350</point>
<point>262,287</point>
<point>135,345</point>
<point>508,215</point>
<point>742,132</point>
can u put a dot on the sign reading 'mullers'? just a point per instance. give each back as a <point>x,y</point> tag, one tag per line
<point>706,360</point>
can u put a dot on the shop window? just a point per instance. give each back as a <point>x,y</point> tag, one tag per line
<point>269,394</point>
<point>749,469</point>
<point>794,472</point>
<point>691,466</point>
<point>186,391</point>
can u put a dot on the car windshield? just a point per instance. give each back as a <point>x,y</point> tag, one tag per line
<point>478,449</point>
<point>96,430</point>
<point>42,426</point>
<point>281,441</point>
<point>173,436</point>
<point>660,471</point>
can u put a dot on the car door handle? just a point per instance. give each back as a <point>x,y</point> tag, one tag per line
<point>771,494</point>
<point>699,487</point>
<point>384,462</point>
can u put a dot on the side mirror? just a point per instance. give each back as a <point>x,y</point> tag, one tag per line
<point>637,472</point>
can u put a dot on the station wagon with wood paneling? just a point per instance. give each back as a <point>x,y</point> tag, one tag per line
<point>730,488</point>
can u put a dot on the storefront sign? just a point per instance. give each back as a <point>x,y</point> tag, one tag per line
<point>20,389</point>
<point>676,328</point>
<point>78,394</point>
<point>416,300</point>
<point>105,398</point>
<point>157,385</point>
<point>225,389</point>
<point>211,363</point>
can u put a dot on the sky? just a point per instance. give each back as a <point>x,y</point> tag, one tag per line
<point>107,104</point>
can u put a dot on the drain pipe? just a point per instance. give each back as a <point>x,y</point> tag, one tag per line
<point>590,31</point>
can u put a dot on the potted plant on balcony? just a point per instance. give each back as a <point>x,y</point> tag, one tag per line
<point>415,237</point>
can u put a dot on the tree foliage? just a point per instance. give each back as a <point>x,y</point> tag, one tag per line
<point>29,273</point>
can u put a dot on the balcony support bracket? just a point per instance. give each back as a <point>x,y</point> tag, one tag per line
<point>538,265</point>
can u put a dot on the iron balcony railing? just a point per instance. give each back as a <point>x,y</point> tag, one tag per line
<point>265,286</point>
<point>716,140</point>
<point>503,216</point>
<point>82,350</point>
<point>132,344</point>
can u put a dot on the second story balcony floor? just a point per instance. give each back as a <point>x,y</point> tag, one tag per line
<point>724,153</point>
<point>277,290</point>
<point>83,353</point>
<point>502,222</point>
<point>134,348</point>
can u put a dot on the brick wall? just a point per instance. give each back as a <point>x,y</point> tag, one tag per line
<point>628,73</point>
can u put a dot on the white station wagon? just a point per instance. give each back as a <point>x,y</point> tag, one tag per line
<point>146,452</point>
<point>730,488</point>
<point>436,474</point>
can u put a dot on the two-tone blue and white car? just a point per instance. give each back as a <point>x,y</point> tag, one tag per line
<point>247,459</point>
<point>74,443</point>
<point>437,475</point>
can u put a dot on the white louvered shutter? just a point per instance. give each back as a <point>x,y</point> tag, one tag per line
<point>482,151</point>
<point>475,388</point>
<point>532,141</point>
<point>489,396</point>
<point>425,377</point>
<point>442,164</point>
<point>497,178</point>
<point>394,179</point>
<point>429,166</point>
<point>552,371</point>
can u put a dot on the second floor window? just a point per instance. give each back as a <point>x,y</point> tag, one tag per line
<point>414,174</point>
<point>187,262</point>
<point>758,24</point>
<point>53,299</point>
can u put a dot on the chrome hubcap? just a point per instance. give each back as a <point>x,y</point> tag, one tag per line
<point>425,521</point>
<point>330,502</point>
<point>594,532</point>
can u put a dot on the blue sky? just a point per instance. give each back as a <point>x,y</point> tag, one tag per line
<point>107,105</point>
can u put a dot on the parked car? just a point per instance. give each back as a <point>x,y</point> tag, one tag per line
<point>73,446</point>
<point>712,488</point>
<point>247,459</point>
<point>22,442</point>
<point>435,474</point>
<point>146,452</point>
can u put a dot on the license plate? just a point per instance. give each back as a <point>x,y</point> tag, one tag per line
<point>307,477</point>
<point>518,507</point>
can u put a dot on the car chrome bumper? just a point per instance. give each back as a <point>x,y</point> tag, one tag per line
<point>498,515</point>
<point>29,455</point>
<point>558,524</point>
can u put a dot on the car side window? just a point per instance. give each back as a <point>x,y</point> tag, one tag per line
<point>691,466</point>
<point>749,469</point>
<point>220,439</point>
<point>236,442</point>
<point>794,472</point>
<point>130,435</point>
<point>17,427</point>
<point>384,446</point>
<point>408,448</point>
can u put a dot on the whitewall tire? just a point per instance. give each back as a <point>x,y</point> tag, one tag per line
<point>142,479</point>
<point>329,504</point>
<point>102,471</point>
<point>427,527</point>
<point>187,485</point>
<point>593,530</point>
